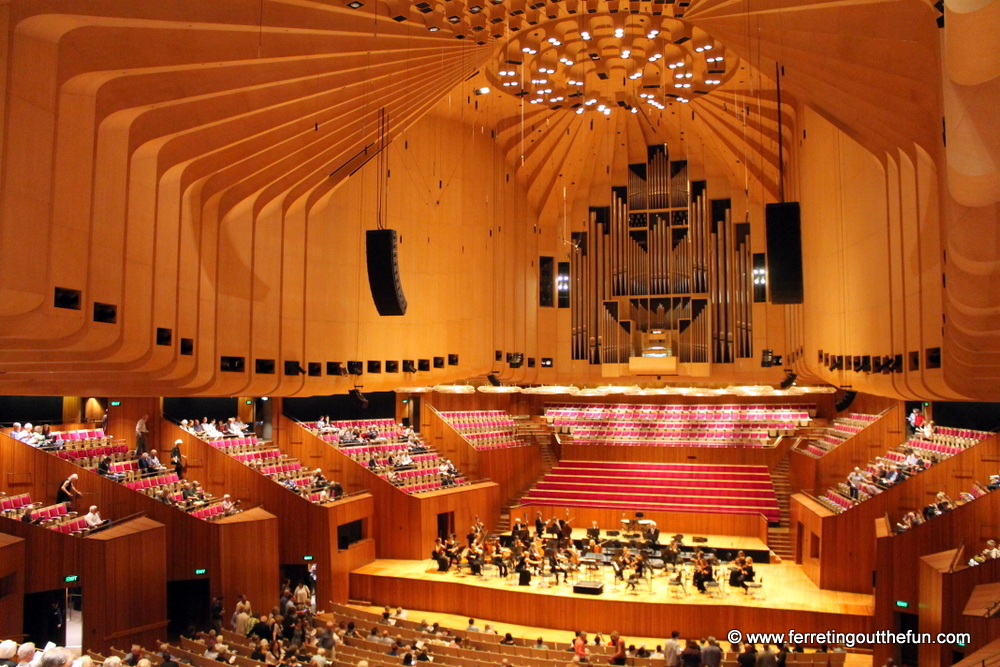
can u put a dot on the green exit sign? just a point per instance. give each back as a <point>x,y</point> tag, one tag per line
<point>116,404</point>
<point>249,401</point>
<point>201,571</point>
<point>902,605</point>
<point>405,401</point>
<point>71,579</point>
<point>307,558</point>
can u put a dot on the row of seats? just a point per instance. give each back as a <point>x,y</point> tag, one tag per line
<point>836,433</point>
<point>361,453</point>
<point>484,429</point>
<point>647,412</point>
<point>56,517</point>
<point>718,489</point>
<point>840,499</point>
<point>268,460</point>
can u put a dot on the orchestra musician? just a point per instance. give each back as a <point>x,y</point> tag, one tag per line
<point>494,552</point>
<point>736,570</point>
<point>452,549</point>
<point>572,558</point>
<point>440,556</point>
<point>534,557</point>
<point>474,557</point>
<point>747,573</point>
<point>556,564</point>
<point>702,572</point>
<point>620,562</point>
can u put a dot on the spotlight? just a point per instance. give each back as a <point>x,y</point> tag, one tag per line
<point>355,4</point>
<point>482,91</point>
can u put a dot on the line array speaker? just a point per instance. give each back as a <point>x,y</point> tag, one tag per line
<point>383,272</point>
<point>784,252</point>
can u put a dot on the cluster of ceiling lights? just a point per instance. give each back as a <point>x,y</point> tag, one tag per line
<point>614,60</point>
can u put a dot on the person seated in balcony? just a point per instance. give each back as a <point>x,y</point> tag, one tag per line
<point>197,428</point>
<point>154,462</point>
<point>186,425</point>
<point>348,437</point>
<point>233,428</point>
<point>104,470</point>
<point>318,480</point>
<point>229,506</point>
<point>336,490</point>
<point>17,432</point>
<point>373,464</point>
<point>146,466</point>
<point>927,430</point>
<point>404,461</point>
<point>94,520</point>
<point>29,517</point>
<point>943,502</point>
<point>994,483</point>
<point>910,519</point>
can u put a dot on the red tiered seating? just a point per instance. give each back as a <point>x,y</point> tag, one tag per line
<point>680,487</point>
<point>677,425</point>
<point>484,429</point>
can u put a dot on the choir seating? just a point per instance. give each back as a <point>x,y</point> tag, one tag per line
<point>485,429</point>
<point>678,487</point>
<point>677,425</point>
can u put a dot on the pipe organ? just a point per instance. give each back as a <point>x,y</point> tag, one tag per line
<point>664,271</point>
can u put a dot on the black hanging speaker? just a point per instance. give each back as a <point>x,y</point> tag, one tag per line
<point>383,272</point>
<point>846,401</point>
<point>784,252</point>
<point>360,398</point>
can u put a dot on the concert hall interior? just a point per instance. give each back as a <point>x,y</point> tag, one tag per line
<point>562,316</point>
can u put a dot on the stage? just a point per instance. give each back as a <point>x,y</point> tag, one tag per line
<point>792,601</point>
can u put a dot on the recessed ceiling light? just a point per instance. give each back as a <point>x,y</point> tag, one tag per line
<point>355,4</point>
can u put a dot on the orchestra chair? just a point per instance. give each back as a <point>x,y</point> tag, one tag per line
<point>755,588</point>
<point>676,585</point>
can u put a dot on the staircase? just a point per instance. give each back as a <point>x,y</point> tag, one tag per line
<point>539,434</point>
<point>779,537</point>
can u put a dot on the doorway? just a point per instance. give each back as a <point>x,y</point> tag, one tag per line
<point>45,617</point>
<point>188,602</point>
<point>446,524</point>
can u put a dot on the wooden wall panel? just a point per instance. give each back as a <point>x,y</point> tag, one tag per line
<point>123,418</point>
<point>754,456</point>
<point>247,544</point>
<point>12,573</point>
<point>850,564</point>
<point>512,468</point>
<point>123,575</point>
<point>52,555</point>
<point>806,530</point>
<point>647,619</point>
<point>872,441</point>
<point>669,523</point>
<point>29,470</point>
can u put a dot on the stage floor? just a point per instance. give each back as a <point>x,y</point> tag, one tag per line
<point>651,610</point>
<point>786,586</point>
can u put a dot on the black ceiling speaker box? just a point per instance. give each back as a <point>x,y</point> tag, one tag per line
<point>453,360</point>
<point>846,401</point>
<point>383,272</point>
<point>392,367</point>
<point>766,358</point>
<point>784,252</point>
<point>355,367</point>
<point>374,366</point>
<point>360,398</point>
<point>589,587</point>
<point>789,380</point>
<point>409,366</point>
<point>516,360</point>
<point>294,368</point>
<point>494,380</point>
<point>438,362</point>
<point>423,364</point>
<point>335,368</point>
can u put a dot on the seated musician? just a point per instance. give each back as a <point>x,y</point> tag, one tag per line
<point>439,556</point>
<point>747,573</point>
<point>556,564</point>
<point>572,558</point>
<point>474,556</point>
<point>494,553</point>
<point>702,572</point>
<point>640,564</point>
<point>736,570</point>
<point>619,563</point>
<point>453,549</point>
<point>533,557</point>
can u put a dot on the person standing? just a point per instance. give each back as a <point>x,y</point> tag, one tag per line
<point>68,492</point>
<point>618,644</point>
<point>711,655</point>
<point>672,650</point>
<point>216,612</point>
<point>140,436</point>
<point>177,459</point>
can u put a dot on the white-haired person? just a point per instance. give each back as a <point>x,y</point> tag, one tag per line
<point>8,651</point>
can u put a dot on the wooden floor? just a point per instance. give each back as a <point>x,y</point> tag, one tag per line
<point>647,612</point>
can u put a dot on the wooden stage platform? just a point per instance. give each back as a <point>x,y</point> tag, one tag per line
<point>792,601</point>
<point>724,545</point>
